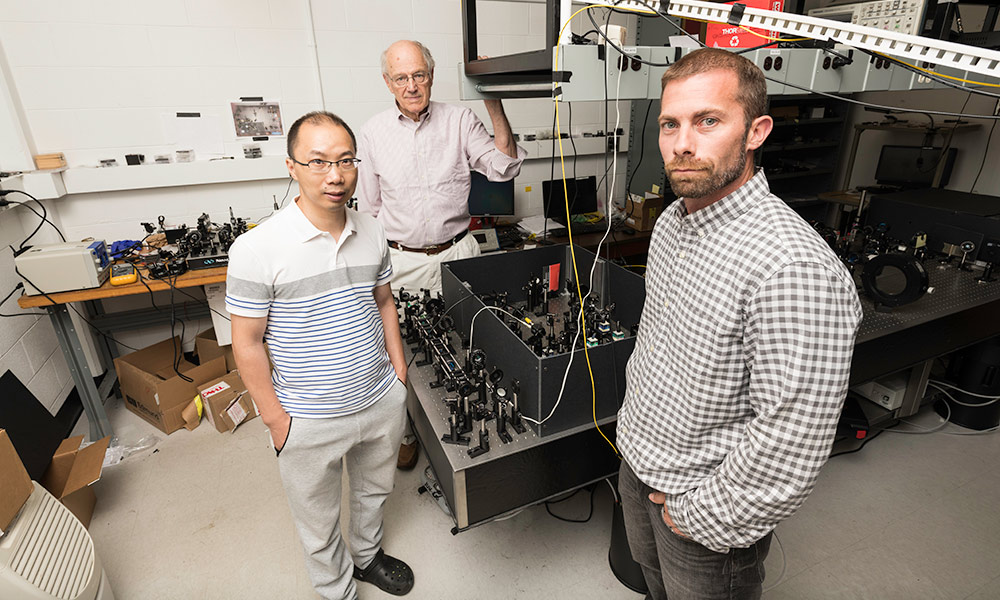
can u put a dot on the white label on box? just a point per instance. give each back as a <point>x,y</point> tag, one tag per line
<point>237,413</point>
<point>215,389</point>
<point>157,398</point>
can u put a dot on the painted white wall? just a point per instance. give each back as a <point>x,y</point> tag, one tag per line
<point>95,78</point>
<point>973,151</point>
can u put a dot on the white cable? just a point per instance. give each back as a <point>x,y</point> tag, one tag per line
<point>597,258</point>
<point>784,566</point>
<point>926,430</point>
<point>937,383</point>
<point>472,324</point>
<point>614,492</point>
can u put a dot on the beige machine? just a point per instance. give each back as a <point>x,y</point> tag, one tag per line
<point>64,267</point>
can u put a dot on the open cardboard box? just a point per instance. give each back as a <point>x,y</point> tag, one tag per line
<point>227,403</point>
<point>68,477</point>
<point>207,347</point>
<point>16,486</point>
<point>642,212</point>
<point>156,393</point>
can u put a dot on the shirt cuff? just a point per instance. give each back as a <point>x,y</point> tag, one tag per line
<point>680,510</point>
<point>503,164</point>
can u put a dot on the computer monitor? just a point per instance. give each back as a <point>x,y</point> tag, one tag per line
<point>582,197</point>
<point>914,167</point>
<point>490,198</point>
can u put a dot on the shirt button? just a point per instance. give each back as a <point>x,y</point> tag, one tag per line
<point>650,348</point>
<point>680,254</point>
<point>666,304</point>
<point>701,233</point>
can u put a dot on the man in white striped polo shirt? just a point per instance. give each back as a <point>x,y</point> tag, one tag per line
<point>313,283</point>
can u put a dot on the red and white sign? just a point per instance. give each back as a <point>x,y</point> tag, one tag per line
<point>719,35</point>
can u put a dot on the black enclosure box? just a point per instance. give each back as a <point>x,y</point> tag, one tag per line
<point>946,216</point>
<point>541,377</point>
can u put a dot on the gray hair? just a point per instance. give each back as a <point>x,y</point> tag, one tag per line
<point>423,50</point>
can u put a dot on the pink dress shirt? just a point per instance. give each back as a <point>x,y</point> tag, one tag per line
<point>414,177</point>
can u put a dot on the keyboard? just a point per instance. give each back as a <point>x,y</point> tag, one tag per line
<point>580,229</point>
<point>509,237</point>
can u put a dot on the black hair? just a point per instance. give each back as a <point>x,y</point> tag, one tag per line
<point>316,117</point>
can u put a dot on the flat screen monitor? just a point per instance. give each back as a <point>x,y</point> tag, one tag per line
<point>914,167</point>
<point>582,197</point>
<point>490,198</point>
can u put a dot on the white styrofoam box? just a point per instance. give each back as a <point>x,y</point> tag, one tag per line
<point>349,49</point>
<point>274,48</point>
<point>379,15</point>
<point>216,296</point>
<point>503,18</point>
<point>15,360</point>
<point>330,14</point>
<point>290,15</point>
<point>192,46</point>
<point>39,343</point>
<point>437,16</point>
<point>233,13</point>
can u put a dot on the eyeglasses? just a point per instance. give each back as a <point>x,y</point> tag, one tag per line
<point>419,78</point>
<point>318,165</point>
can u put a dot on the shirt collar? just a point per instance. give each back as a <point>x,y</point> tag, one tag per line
<point>719,213</point>
<point>423,116</point>
<point>303,229</point>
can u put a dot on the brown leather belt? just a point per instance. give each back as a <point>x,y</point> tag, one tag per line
<point>430,250</point>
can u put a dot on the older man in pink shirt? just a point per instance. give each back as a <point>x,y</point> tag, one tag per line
<point>416,158</point>
<point>414,175</point>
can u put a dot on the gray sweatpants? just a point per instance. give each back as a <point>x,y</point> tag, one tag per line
<point>311,472</point>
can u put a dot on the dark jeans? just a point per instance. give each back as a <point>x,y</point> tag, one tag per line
<point>678,568</point>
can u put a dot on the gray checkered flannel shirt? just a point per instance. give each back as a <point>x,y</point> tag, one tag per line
<point>740,367</point>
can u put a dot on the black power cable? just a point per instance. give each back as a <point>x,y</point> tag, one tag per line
<point>590,513</point>
<point>44,216</point>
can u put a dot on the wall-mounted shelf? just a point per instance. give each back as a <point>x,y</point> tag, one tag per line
<point>82,180</point>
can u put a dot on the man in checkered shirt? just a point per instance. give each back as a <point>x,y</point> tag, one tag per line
<point>742,359</point>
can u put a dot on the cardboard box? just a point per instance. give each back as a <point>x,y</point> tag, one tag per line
<point>719,35</point>
<point>16,486</point>
<point>207,347</point>
<point>227,403</point>
<point>155,392</point>
<point>642,212</point>
<point>68,478</point>
<point>71,472</point>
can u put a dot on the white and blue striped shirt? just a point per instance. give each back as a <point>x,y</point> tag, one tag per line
<point>324,331</point>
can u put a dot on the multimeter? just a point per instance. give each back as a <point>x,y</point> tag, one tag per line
<point>123,274</point>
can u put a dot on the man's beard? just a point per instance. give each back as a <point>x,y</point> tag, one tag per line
<point>711,178</point>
